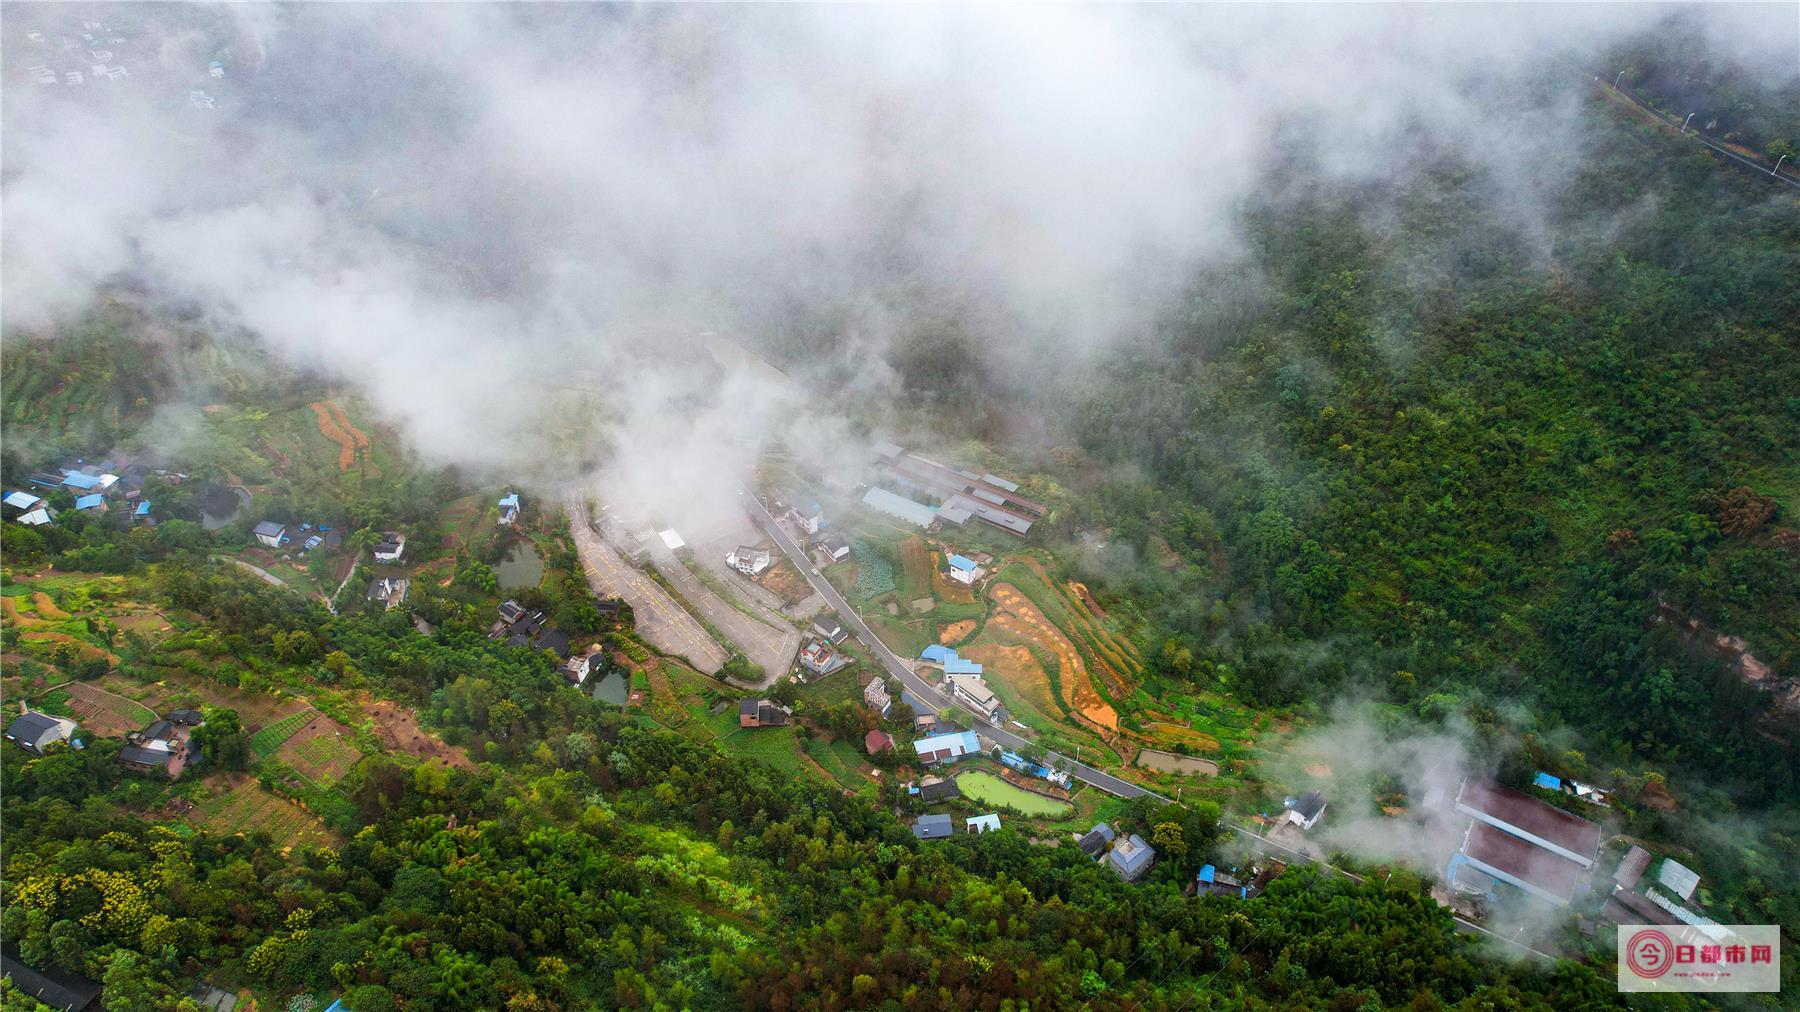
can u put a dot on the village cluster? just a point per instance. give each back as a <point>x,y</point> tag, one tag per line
<point>163,748</point>
<point>75,56</point>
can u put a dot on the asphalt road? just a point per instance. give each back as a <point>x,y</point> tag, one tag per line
<point>902,670</point>
<point>660,620</point>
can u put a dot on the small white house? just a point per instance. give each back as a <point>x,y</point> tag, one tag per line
<point>509,509</point>
<point>964,570</point>
<point>391,547</point>
<point>811,517</point>
<point>1307,811</point>
<point>272,534</point>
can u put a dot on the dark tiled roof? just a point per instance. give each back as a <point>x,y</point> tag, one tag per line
<point>145,756</point>
<point>29,728</point>
<point>1310,804</point>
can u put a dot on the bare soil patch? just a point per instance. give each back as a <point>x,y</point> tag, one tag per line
<point>784,581</point>
<point>1023,619</point>
<point>956,632</point>
<point>1021,672</point>
<point>335,427</point>
<point>46,606</point>
<point>1317,770</point>
<point>398,728</point>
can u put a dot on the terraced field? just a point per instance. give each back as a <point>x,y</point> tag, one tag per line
<point>266,741</point>
<point>238,805</point>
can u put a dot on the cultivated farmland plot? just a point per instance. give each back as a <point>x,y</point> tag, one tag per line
<point>320,750</point>
<point>104,713</point>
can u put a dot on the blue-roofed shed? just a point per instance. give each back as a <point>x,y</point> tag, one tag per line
<point>1207,872</point>
<point>947,747</point>
<point>937,653</point>
<point>76,479</point>
<point>88,502</point>
<point>143,509</point>
<point>22,500</point>
<point>962,564</point>
<point>961,666</point>
<point>1547,781</point>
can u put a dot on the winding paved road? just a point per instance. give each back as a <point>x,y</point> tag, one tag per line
<point>904,671</point>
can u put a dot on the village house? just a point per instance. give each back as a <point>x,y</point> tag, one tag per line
<point>391,546</point>
<point>971,691</point>
<point>95,503</point>
<point>762,713</point>
<point>810,517</point>
<point>875,694</point>
<point>963,569</point>
<point>933,827</point>
<point>747,560</point>
<point>65,992</point>
<point>935,789</point>
<point>1308,810</point>
<point>141,515</point>
<point>22,502</point>
<point>835,546</point>
<point>1211,881</point>
<point>388,591</point>
<point>1130,857</point>
<point>509,509</point>
<point>1094,842</point>
<point>947,748</point>
<point>34,732</point>
<point>578,668</point>
<point>827,628</point>
<point>271,534</point>
<point>983,823</point>
<point>877,741</point>
<point>820,659</point>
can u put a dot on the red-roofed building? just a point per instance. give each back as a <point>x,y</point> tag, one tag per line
<point>877,741</point>
<point>1531,820</point>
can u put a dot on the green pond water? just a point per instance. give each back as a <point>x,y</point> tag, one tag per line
<point>991,790</point>
<point>520,568</point>
<point>613,689</point>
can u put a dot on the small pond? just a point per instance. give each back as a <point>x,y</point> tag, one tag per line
<point>220,506</point>
<point>1169,762</point>
<point>614,688</point>
<point>520,568</point>
<point>991,790</point>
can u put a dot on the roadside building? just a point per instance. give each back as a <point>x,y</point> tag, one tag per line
<point>748,561</point>
<point>1131,857</point>
<point>835,546</point>
<point>971,691</point>
<point>1308,810</point>
<point>271,534</point>
<point>933,827</point>
<point>811,517</point>
<point>947,748</point>
<point>984,823</point>
<point>1212,881</point>
<point>829,629</point>
<point>820,659</point>
<point>875,694</point>
<point>34,732</point>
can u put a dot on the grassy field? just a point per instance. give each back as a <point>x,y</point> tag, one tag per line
<point>840,759</point>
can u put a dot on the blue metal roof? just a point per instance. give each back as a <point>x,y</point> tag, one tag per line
<point>143,509</point>
<point>1547,781</point>
<point>88,502</point>
<point>79,480</point>
<point>511,500</point>
<point>1206,873</point>
<point>937,653</point>
<point>964,742</point>
<point>958,666</point>
<point>961,564</point>
<point>22,500</point>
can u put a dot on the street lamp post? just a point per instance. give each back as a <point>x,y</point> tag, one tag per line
<point>1685,122</point>
<point>1616,80</point>
<point>1777,168</point>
